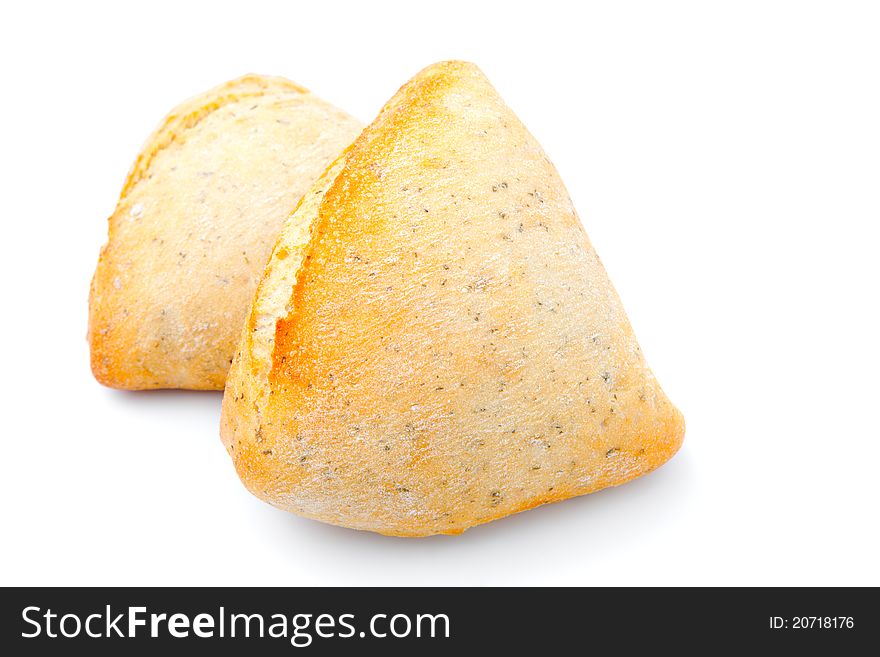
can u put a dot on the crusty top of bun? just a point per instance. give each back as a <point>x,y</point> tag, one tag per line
<point>195,223</point>
<point>434,343</point>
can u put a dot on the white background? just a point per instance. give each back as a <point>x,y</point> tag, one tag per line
<point>725,160</point>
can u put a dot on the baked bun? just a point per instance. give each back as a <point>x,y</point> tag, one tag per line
<point>434,343</point>
<point>196,221</point>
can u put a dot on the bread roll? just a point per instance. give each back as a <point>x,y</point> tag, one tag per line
<point>194,226</point>
<point>434,343</point>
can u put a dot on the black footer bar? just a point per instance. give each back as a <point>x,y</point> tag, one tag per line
<point>433,621</point>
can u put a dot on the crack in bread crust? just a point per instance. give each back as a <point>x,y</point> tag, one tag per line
<point>189,114</point>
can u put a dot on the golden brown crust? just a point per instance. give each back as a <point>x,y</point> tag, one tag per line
<point>436,344</point>
<point>198,214</point>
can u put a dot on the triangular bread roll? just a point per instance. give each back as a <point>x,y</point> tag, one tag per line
<point>434,343</point>
<point>195,224</point>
